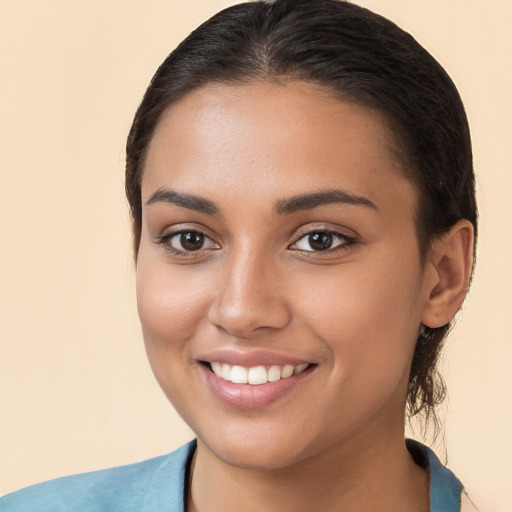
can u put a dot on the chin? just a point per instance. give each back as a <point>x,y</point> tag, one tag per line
<point>259,445</point>
<point>258,455</point>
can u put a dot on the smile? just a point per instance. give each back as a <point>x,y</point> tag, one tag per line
<point>253,381</point>
<point>255,375</point>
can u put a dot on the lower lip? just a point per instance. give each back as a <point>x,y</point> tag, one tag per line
<point>247,396</point>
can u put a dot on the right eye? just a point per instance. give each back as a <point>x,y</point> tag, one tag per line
<point>187,241</point>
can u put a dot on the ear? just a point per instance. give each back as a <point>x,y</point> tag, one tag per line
<point>447,274</point>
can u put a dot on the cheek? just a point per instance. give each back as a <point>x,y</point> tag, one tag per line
<point>368,320</point>
<point>367,313</point>
<point>170,306</point>
<point>171,309</point>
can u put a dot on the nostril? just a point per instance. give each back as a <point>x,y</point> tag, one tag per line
<point>244,324</point>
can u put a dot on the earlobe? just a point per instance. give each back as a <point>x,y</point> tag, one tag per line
<point>448,274</point>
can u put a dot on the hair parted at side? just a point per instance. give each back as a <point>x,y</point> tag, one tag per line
<point>360,57</point>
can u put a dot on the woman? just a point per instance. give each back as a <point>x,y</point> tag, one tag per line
<point>300,181</point>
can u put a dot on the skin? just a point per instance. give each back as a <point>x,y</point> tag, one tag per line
<point>336,441</point>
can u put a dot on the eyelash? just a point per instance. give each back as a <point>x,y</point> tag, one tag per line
<point>166,239</point>
<point>345,242</point>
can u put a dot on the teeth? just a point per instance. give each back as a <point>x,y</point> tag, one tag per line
<point>287,371</point>
<point>238,375</point>
<point>299,369</point>
<point>255,375</point>
<point>226,372</point>
<point>274,373</point>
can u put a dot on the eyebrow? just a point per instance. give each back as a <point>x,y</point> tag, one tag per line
<point>282,206</point>
<point>320,198</point>
<point>188,201</point>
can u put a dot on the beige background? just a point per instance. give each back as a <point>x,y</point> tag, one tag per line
<point>76,392</point>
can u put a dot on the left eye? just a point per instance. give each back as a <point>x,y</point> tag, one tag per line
<point>318,241</point>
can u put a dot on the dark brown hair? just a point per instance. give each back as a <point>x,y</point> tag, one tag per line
<point>361,57</point>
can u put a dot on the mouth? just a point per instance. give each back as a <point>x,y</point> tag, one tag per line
<point>255,375</point>
<point>254,387</point>
<point>254,379</point>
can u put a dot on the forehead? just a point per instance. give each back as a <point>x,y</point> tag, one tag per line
<point>286,138</point>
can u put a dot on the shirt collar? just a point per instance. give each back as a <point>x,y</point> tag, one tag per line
<point>445,487</point>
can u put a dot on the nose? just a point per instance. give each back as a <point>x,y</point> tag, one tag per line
<point>251,296</point>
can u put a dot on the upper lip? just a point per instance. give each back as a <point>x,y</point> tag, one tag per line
<point>250,358</point>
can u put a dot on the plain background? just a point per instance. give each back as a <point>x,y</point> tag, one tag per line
<point>76,392</point>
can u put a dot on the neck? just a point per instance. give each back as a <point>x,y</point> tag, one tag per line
<point>358,475</point>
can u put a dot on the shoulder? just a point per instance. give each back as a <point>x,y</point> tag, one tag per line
<point>445,487</point>
<point>154,484</point>
<point>447,494</point>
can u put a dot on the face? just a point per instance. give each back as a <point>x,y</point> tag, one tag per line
<point>278,247</point>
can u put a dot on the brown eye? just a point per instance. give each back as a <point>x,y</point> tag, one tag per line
<point>187,242</point>
<point>318,241</point>
<point>190,241</point>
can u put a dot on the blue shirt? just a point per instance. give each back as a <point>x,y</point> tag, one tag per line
<point>158,485</point>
